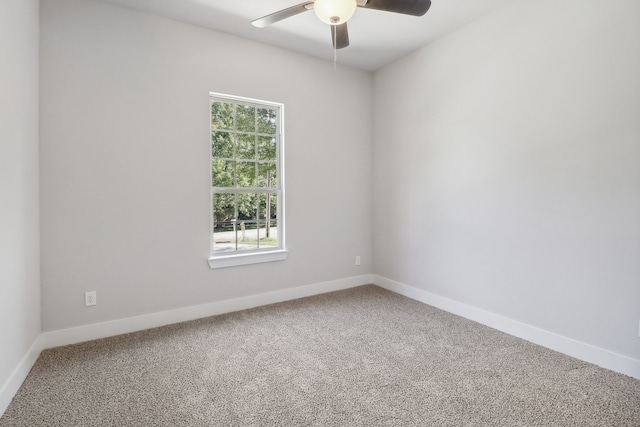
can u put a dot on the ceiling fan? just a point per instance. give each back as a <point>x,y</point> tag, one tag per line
<point>337,12</point>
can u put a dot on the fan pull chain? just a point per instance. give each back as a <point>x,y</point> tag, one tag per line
<point>335,49</point>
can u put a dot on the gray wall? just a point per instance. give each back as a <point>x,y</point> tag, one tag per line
<point>19,211</point>
<point>125,166</point>
<point>507,159</point>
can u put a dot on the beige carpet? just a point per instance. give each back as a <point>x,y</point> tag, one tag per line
<point>361,357</point>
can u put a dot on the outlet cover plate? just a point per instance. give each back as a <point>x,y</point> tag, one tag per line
<point>90,298</point>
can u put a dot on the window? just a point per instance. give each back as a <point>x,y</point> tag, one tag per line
<point>247,196</point>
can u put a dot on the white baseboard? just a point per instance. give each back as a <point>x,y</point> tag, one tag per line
<point>580,350</point>
<point>15,380</point>
<point>132,324</point>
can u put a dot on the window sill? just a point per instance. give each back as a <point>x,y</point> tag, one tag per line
<point>244,259</point>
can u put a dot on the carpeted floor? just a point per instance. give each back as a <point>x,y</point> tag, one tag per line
<point>360,357</point>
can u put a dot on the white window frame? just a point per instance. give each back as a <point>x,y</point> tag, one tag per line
<point>220,260</point>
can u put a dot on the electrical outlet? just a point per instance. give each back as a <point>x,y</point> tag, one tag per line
<point>358,260</point>
<point>90,298</point>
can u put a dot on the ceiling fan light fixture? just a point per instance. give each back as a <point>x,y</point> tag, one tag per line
<point>334,12</point>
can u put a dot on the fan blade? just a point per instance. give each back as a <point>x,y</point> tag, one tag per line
<point>282,14</point>
<point>340,36</point>
<point>406,7</point>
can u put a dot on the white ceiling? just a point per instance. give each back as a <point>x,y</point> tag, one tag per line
<point>376,38</point>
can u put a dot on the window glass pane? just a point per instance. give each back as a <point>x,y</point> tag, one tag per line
<point>247,235</point>
<point>266,121</point>
<point>246,174</point>
<point>245,118</point>
<point>245,146</point>
<point>261,199</point>
<point>272,208</point>
<point>246,206</point>
<point>222,173</point>
<point>266,148</point>
<point>268,235</point>
<point>268,230</point>
<point>224,208</point>
<point>222,145</point>
<point>224,241</point>
<point>267,175</point>
<point>222,116</point>
<point>247,221</point>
